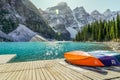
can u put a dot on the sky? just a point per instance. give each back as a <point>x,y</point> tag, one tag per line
<point>89,5</point>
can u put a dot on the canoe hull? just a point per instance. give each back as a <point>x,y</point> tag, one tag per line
<point>82,58</point>
<point>107,59</point>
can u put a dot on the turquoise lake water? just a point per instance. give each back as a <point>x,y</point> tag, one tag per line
<point>30,51</point>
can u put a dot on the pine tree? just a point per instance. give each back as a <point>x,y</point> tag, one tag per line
<point>118,26</point>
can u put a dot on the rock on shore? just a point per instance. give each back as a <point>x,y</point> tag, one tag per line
<point>114,45</point>
<point>22,33</point>
<point>37,38</point>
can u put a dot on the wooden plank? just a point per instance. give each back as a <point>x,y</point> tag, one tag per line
<point>11,76</point>
<point>54,73</point>
<point>45,67</point>
<point>34,72</point>
<point>19,73</point>
<point>40,73</point>
<point>64,73</point>
<point>45,74</point>
<point>6,58</point>
<point>11,68</point>
<point>2,76</point>
<point>5,76</point>
<point>77,74</point>
<point>5,67</point>
<point>58,73</point>
<point>70,73</point>
<point>23,75</point>
<point>28,75</point>
<point>48,73</point>
<point>15,76</point>
<point>42,76</point>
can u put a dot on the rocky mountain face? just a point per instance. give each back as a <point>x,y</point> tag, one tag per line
<point>82,16</point>
<point>109,15</point>
<point>97,16</point>
<point>73,20</point>
<point>60,18</point>
<point>22,33</point>
<point>20,20</point>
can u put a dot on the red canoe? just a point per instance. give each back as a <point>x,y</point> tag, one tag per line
<point>82,58</point>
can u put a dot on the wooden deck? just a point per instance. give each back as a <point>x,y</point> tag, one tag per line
<point>51,70</point>
<point>6,58</point>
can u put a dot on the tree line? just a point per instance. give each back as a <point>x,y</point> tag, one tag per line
<point>101,31</point>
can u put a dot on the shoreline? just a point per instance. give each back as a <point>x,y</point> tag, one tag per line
<point>115,46</point>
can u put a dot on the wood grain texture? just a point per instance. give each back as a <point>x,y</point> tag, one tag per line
<point>51,70</point>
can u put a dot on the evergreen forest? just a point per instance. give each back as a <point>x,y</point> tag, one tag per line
<point>101,31</point>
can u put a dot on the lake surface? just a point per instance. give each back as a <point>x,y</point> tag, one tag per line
<point>31,51</point>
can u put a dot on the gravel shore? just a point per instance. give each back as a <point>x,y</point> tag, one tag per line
<point>114,45</point>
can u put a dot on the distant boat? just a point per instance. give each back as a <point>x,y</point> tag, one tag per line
<point>88,59</point>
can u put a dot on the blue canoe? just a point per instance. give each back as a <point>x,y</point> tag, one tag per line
<point>108,59</point>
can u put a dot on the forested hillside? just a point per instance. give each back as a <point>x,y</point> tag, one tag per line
<point>20,21</point>
<point>101,31</point>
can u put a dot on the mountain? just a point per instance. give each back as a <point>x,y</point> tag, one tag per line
<point>60,18</point>
<point>97,15</point>
<point>109,15</point>
<point>82,16</point>
<point>20,20</point>
<point>73,20</point>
